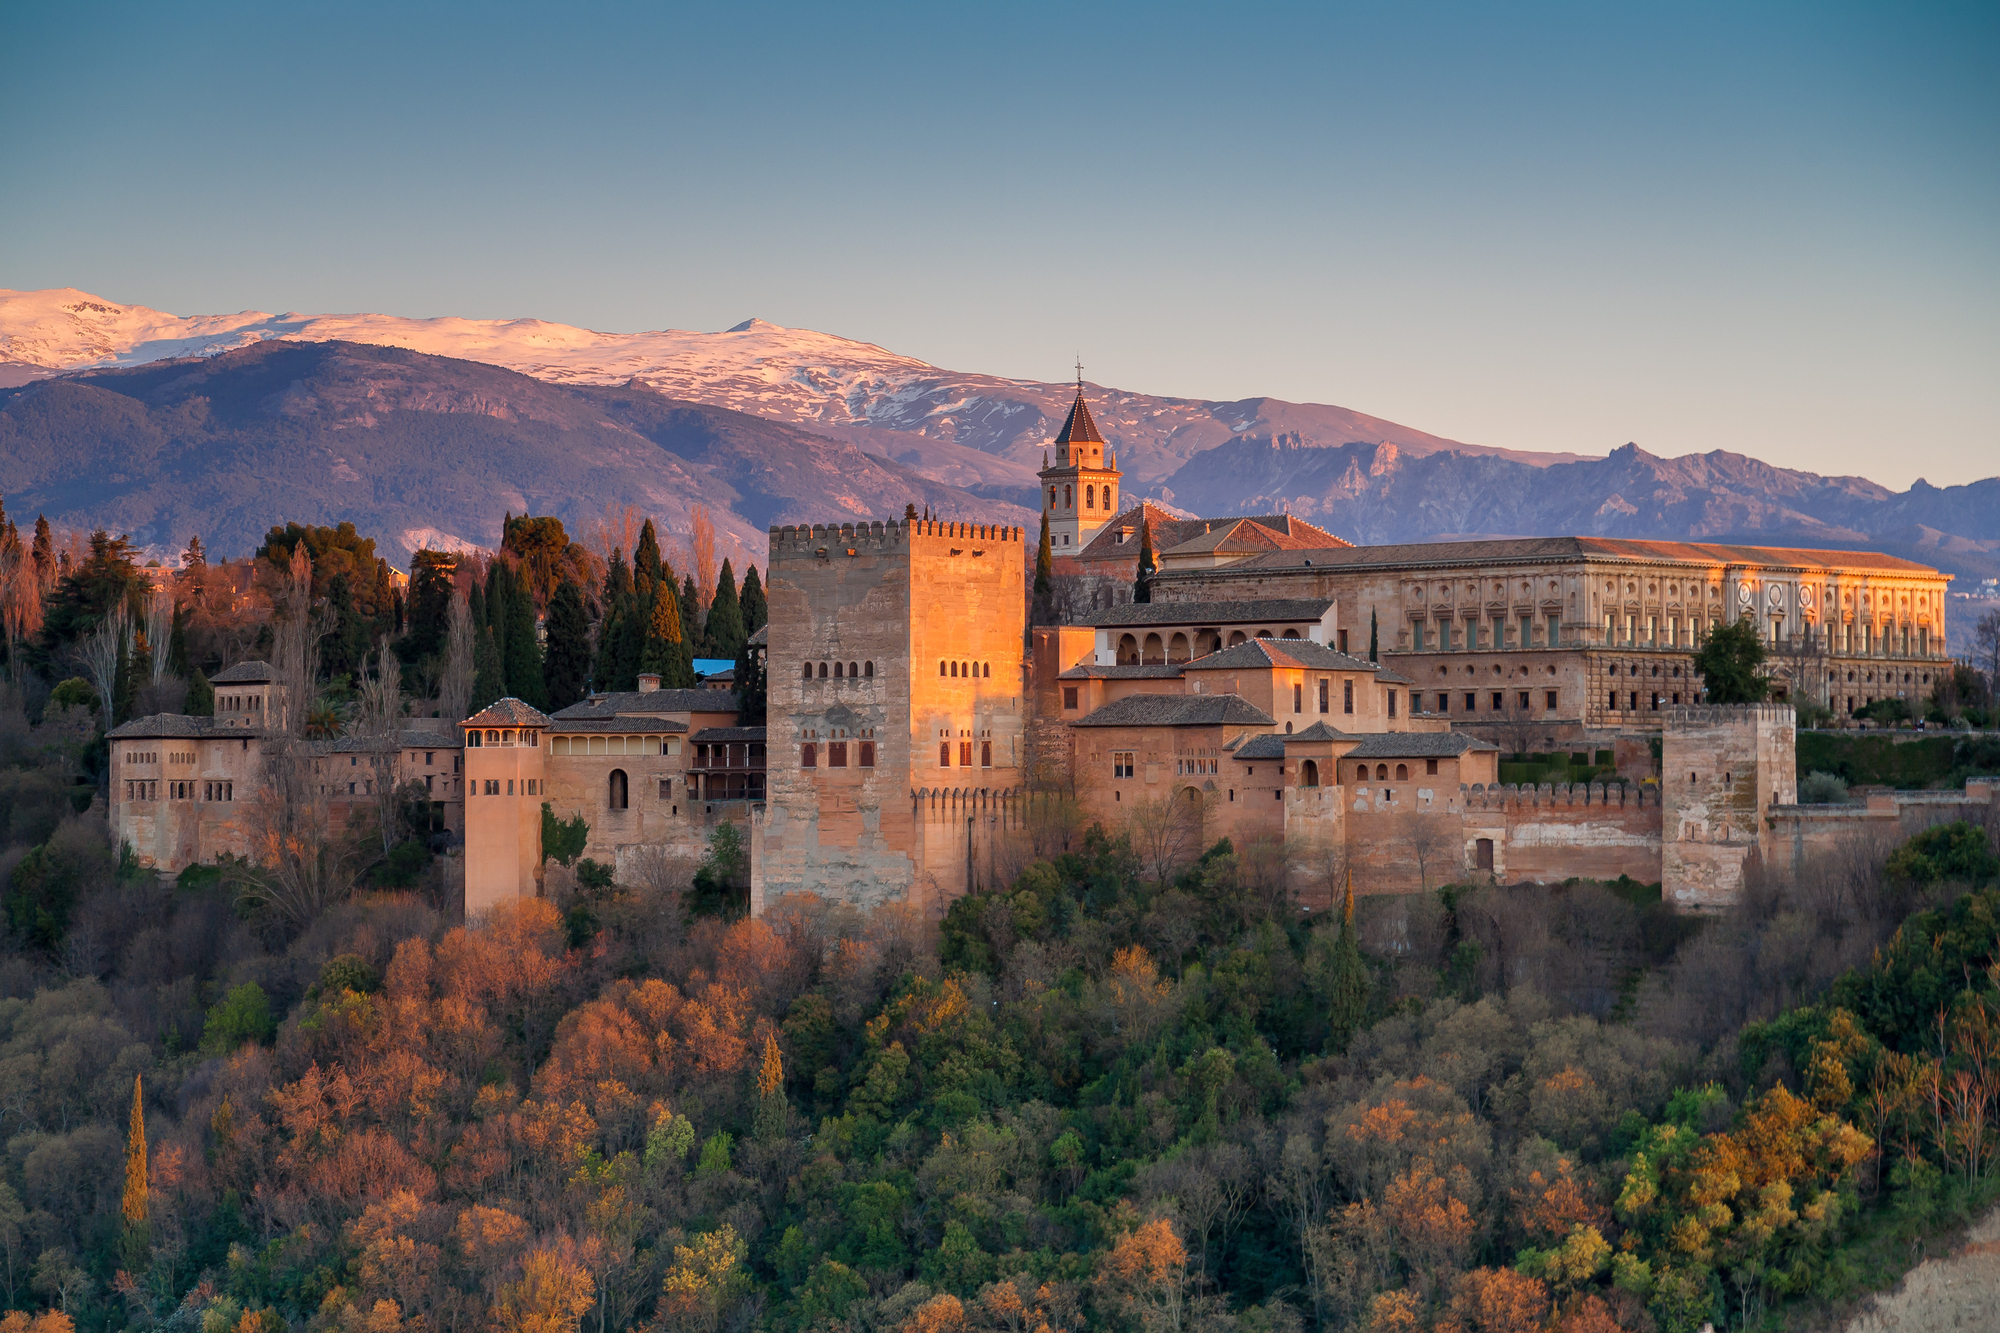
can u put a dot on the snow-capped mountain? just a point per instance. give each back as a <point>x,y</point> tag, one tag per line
<point>975,430</point>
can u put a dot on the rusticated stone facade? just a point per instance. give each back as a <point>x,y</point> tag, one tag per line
<point>1723,768</point>
<point>896,704</point>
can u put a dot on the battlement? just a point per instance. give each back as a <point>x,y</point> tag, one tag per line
<point>1551,795</point>
<point>894,536</point>
<point>1726,715</point>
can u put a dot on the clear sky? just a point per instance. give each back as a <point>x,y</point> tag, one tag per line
<point>1765,228</point>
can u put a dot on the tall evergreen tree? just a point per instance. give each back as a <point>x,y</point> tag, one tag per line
<point>692,632</point>
<point>646,562</point>
<point>429,605</point>
<point>725,617</point>
<point>195,557</point>
<point>44,551</point>
<point>499,585</point>
<point>1347,985</point>
<point>345,645</point>
<point>567,666</point>
<point>1374,631</point>
<point>521,652</point>
<point>632,642</point>
<point>755,612</point>
<point>1142,587</point>
<point>489,676</point>
<point>750,687</point>
<point>665,649</point>
<point>1045,572</point>
<point>200,696</point>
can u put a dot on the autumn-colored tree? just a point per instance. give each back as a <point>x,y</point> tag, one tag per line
<point>552,1296</point>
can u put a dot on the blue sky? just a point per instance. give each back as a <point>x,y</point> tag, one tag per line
<point>1766,228</point>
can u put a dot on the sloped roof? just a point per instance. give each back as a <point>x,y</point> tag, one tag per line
<point>614,725</point>
<point>762,638</point>
<point>724,735</point>
<point>508,712</point>
<point>402,740</point>
<point>1417,555</point>
<point>1270,745</point>
<point>1418,745</point>
<point>179,726</point>
<point>1079,428</point>
<point>1174,532</point>
<point>1320,731</point>
<point>1260,610</point>
<point>637,703</point>
<point>1177,710</point>
<point>1263,654</point>
<point>245,673</point>
<point>1156,671</point>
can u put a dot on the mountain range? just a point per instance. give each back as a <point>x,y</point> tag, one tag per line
<point>444,423</point>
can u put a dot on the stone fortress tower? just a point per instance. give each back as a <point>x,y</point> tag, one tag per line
<point>895,709</point>
<point>1722,769</point>
<point>1080,492</point>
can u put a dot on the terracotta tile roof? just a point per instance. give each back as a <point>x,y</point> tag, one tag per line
<point>1177,710</point>
<point>179,726</point>
<point>508,712</point>
<point>1079,428</point>
<point>1156,671</point>
<point>1260,610</point>
<point>1419,745</point>
<point>724,735</point>
<point>612,726</point>
<point>1256,654</point>
<point>1179,532</point>
<point>245,673</point>
<point>1411,555</point>
<point>636,703</point>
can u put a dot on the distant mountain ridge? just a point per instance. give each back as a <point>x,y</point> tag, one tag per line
<point>980,438</point>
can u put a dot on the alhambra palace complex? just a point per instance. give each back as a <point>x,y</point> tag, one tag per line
<point>918,727</point>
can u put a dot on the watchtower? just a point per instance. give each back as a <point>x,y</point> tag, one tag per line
<point>895,709</point>
<point>1080,492</point>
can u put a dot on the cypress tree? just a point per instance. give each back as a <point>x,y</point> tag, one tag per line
<point>201,696</point>
<point>136,1209</point>
<point>665,649</point>
<point>567,668</point>
<point>44,551</point>
<point>522,654</point>
<point>755,613</point>
<point>769,1119</point>
<point>177,644</point>
<point>499,587</point>
<point>489,677</point>
<point>1373,655</point>
<point>725,617</point>
<point>692,632</point>
<point>1347,985</point>
<point>1045,570</point>
<point>750,687</point>
<point>632,642</point>
<point>1142,588</point>
<point>646,562</point>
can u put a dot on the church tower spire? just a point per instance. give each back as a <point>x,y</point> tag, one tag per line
<point>1079,493</point>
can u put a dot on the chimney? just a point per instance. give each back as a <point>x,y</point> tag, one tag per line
<point>648,681</point>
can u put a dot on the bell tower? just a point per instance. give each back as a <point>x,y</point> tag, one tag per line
<point>1080,492</point>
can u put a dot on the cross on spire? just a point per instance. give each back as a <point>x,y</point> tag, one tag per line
<point>1079,372</point>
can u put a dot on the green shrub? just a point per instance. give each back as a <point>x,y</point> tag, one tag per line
<point>244,1015</point>
<point>1822,789</point>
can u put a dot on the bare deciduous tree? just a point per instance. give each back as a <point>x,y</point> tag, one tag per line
<point>701,550</point>
<point>455,679</point>
<point>159,628</point>
<point>616,529</point>
<point>379,719</point>
<point>304,852</point>
<point>101,651</point>
<point>1428,840</point>
<point>1166,833</point>
<point>297,630</point>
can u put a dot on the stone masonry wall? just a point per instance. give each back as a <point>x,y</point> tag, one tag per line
<point>1721,768</point>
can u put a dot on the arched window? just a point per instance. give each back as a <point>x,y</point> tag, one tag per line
<point>822,671</point>
<point>836,670</point>
<point>1309,774</point>
<point>986,754</point>
<point>868,670</point>
<point>954,670</point>
<point>809,671</point>
<point>1128,650</point>
<point>808,755</point>
<point>618,795</point>
<point>472,740</point>
<point>965,668</point>
<point>492,738</point>
<point>940,666</point>
<point>1066,499</point>
<point>852,671</point>
<point>1402,772</point>
<point>1052,497</point>
<point>1381,772</point>
<point>1107,497</point>
<point>989,670</point>
<point>1090,497</point>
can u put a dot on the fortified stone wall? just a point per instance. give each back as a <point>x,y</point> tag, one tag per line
<point>1553,832</point>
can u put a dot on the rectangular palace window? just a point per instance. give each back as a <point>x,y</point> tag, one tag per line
<point>1121,763</point>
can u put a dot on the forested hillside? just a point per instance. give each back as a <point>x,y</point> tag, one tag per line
<point>1088,1101</point>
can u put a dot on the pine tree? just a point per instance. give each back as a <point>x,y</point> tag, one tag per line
<point>45,551</point>
<point>195,557</point>
<point>1142,588</point>
<point>725,617</point>
<point>910,510</point>
<point>755,612</point>
<point>1347,985</point>
<point>1045,570</point>
<point>567,667</point>
<point>646,563</point>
